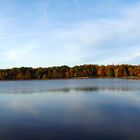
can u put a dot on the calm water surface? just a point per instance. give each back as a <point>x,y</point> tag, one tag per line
<point>88,109</point>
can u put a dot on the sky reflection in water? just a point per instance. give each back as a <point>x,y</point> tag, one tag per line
<point>70,109</point>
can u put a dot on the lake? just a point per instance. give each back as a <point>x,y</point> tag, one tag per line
<point>84,109</point>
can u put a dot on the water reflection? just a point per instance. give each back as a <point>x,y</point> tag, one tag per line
<point>70,116</point>
<point>69,90</point>
<point>67,86</point>
<point>92,89</point>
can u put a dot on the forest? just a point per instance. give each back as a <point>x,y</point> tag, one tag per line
<point>66,72</point>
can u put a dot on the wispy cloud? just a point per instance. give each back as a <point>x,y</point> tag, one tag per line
<point>42,40</point>
<point>105,40</point>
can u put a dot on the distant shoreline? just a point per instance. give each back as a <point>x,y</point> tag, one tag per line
<point>76,78</point>
<point>86,71</point>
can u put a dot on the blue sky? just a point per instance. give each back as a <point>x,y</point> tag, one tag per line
<point>69,32</point>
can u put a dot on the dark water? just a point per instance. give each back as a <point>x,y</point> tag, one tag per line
<point>90,109</point>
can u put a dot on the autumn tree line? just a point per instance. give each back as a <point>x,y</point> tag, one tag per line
<point>65,72</point>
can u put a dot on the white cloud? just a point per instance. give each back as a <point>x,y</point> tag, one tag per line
<point>101,40</point>
<point>105,41</point>
<point>21,55</point>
